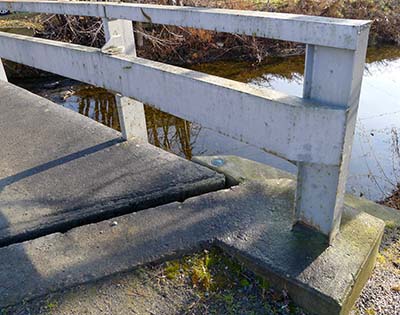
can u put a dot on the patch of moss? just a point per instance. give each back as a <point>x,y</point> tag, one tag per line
<point>171,270</point>
<point>226,286</point>
<point>200,273</point>
<point>381,259</point>
<point>370,311</point>
<point>212,270</point>
<point>50,306</point>
<point>390,225</point>
<point>263,283</point>
<point>209,270</point>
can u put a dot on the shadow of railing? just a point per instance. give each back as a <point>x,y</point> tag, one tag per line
<point>159,234</point>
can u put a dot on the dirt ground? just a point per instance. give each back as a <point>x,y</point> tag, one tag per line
<point>205,283</point>
<point>209,283</point>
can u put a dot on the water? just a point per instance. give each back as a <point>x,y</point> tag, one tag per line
<point>374,167</point>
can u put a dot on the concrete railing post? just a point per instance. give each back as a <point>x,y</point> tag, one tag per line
<point>3,75</point>
<point>120,37</point>
<point>332,76</point>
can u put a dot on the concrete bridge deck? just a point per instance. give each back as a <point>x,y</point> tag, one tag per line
<point>59,169</point>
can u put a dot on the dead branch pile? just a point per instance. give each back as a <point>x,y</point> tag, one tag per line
<point>72,29</point>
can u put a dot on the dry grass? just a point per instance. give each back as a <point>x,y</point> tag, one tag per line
<point>20,21</point>
<point>185,45</point>
<point>385,14</point>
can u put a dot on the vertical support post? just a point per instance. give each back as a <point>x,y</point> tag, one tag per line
<point>3,75</point>
<point>132,118</point>
<point>332,76</point>
<point>119,34</point>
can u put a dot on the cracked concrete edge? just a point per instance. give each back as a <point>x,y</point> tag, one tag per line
<point>105,211</point>
<point>238,169</point>
<point>89,253</point>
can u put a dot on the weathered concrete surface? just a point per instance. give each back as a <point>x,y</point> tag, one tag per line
<point>252,221</point>
<point>355,247</point>
<point>390,216</point>
<point>334,67</point>
<point>59,169</point>
<point>238,170</point>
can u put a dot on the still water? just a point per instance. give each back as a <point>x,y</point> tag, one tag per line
<point>375,162</point>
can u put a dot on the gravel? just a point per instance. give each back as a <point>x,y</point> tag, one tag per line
<point>381,294</point>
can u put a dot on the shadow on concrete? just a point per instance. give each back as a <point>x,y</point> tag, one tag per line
<point>235,218</point>
<point>52,211</point>
<point>65,159</point>
<point>19,257</point>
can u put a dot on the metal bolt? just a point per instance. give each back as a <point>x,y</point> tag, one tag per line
<point>218,162</point>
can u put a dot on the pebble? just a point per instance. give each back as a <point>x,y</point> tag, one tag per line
<point>377,296</point>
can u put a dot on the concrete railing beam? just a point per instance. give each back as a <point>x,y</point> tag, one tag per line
<point>288,126</point>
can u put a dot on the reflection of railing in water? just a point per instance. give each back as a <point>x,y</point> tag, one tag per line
<point>164,130</point>
<point>101,103</point>
<point>171,133</point>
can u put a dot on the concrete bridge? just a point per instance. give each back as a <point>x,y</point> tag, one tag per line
<point>61,171</point>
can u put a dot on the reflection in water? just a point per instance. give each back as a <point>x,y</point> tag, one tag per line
<point>171,133</point>
<point>168,132</point>
<point>97,104</point>
<point>375,163</point>
<point>165,131</point>
<point>290,68</point>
